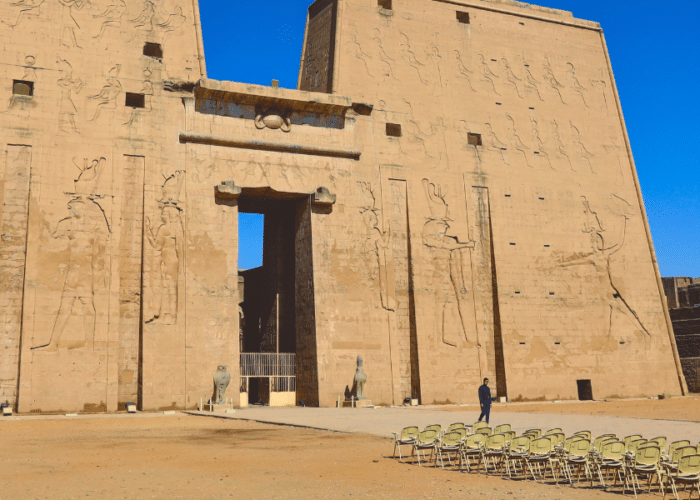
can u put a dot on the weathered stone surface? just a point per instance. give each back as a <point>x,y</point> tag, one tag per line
<point>469,210</point>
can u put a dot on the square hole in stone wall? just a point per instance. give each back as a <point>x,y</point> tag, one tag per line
<point>463,17</point>
<point>135,100</point>
<point>474,139</point>
<point>153,50</point>
<point>393,130</point>
<point>21,87</point>
<point>384,4</point>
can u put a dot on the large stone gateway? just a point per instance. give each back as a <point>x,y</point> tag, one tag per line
<point>450,195</point>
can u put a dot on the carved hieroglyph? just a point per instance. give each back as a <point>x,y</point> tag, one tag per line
<point>167,240</point>
<point>86,228</point>
<point>449,283</point>
<point>603,248</point>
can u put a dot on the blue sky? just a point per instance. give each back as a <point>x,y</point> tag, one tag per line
<point>654,49</point>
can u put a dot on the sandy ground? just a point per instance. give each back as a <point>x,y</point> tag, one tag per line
<point>685,408</point>
<point>192,457</point>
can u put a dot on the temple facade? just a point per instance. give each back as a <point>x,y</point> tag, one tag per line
<point>449,194</point>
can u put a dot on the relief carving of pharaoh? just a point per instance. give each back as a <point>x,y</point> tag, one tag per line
<point>273,119</point>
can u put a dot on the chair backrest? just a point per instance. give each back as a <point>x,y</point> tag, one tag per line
<point>598,443</point>
<point>613,450</point>
<point>427,436</point>
<point>635,445</point>
<point>558,438</point>
<point>681,452</point>
<point>660,442</point>
<point>569,440</point>
<point>584,434</point>
<point>540,446</point>
<point>451,439</point>
<point>485,431</point>
<point>535,432</point>
<point>607,441</point>
<point>501,428</point>
<point>495,442</point>
<point>462,431</point>
<point>509,435</point>
<point>475,441</point>
<point>689,465</point>
<point>698,448</point>
<point>520,443</point>
<point>556,430</point>
<point>580,447</point>
<point>647,455</point>
<point>409,432</point>
<point>675,445</point>
<point>628,439</point>
<point>434,427</point>
<point>456,425</point>
<point>478,425</point>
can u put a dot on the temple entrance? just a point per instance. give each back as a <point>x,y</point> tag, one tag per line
<point>277,301</point>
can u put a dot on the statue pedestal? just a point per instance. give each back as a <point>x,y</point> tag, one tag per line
<point>358,403</point>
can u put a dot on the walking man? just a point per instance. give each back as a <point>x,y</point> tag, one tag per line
<point>485,400</point>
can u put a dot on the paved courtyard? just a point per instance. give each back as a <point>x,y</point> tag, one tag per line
<point>383,421</point>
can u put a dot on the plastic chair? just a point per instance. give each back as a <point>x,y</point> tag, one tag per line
<point>584,434</point>
<point>486,431</point>
<point>675,445</point>
<point>426,440</point>
<point>478,425</point>
<point>635,445</point>
<point>519,449</point>
<point>611,460</point>
<point>535,432</point>
<point>578,456</point>
<point>462,431</point>
<point>407,436</point>
<point>471,447</point>
<point>670,465</point>
<point>494,448</point>
<point>450,443</point>
<point>628,439</point>
<point>661,442</point>
<point>688,474</point>
<point>501,428</point>
<point>456,425</point>
<point>540,453</point>
<point>646,462</point>
<point>433,427</point>
<point>556,430</point>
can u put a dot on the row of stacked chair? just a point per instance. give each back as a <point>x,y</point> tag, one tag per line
<point>605,458</point>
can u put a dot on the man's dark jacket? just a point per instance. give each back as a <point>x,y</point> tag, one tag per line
<point>485,395</point>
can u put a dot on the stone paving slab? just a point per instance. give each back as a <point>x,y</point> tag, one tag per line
<point>382,422</point>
